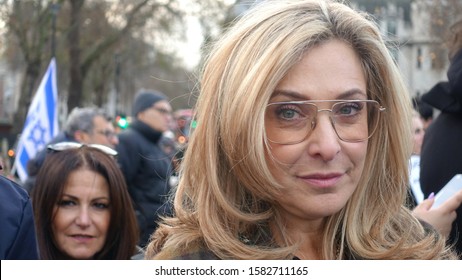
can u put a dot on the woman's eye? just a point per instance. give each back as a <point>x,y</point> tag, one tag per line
<point>66,203</point>
<point>348,109</point>
<point>100,205</point>
<point>345,110</point>
<point>287,113</point>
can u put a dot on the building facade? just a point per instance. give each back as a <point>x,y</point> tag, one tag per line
<point>421,57</point>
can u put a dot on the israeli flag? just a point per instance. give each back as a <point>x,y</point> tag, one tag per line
<point>41,122</point>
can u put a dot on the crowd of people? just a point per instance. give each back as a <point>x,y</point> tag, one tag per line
<point>305,145</point>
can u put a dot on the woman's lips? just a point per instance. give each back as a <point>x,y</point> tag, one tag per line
<point>81,237</point>
<point>322,180</point>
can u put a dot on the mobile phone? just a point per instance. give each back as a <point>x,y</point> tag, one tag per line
<point>453,186</point>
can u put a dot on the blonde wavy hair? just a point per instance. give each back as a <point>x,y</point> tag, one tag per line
<point>227,193</point>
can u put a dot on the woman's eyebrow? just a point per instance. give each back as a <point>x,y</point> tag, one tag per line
<point>293,95</point>
<point>298,96</point>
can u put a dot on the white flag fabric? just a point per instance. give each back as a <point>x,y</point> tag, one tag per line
<point>41,122</point>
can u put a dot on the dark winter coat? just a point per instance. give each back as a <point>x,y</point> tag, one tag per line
<point>147,170</point>
<point>441,156</point>
<point>17,230</point>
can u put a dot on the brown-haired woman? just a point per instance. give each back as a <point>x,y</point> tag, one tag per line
<point>81,205</point>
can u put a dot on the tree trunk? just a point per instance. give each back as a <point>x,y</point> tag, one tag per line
<point>27,93</point>
<point>75,71</point>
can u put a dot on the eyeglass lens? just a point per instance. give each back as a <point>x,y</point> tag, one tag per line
<point>162,111</point>
<point>107,133</point>
<point>292,122</point>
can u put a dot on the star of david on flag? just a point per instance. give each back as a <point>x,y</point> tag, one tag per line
<point>41,123</point>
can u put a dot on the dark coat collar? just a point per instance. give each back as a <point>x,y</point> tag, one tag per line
<point>151,134</point>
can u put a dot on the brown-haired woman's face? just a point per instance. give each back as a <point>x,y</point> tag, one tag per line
<point>82,215</point>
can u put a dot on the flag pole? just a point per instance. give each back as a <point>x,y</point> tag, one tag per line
<point>54,13</point>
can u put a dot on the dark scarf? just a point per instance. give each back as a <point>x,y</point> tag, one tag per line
<point>150,133</point>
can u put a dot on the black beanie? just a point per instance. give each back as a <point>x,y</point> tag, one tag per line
<point>146,99</point>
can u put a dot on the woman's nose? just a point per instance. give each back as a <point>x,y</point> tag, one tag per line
<point>83,217</point>
<point>323,141</point>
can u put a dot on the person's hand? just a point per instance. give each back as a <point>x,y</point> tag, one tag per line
<point>441,217</point>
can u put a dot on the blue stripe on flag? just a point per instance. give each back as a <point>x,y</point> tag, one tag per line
<point>24,157</point>
<point>50,100</point>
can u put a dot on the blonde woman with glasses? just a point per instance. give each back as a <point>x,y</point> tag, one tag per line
<point>301,147</point>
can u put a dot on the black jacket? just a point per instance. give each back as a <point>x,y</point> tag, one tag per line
<point>17,231</point>
<point>441,156</point>
<point>147,170</point>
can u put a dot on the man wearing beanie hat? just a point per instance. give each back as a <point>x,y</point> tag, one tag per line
<point>143,162</point>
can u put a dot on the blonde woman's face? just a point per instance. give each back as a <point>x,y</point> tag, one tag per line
<point>320,173</point>
<point>82,215</point>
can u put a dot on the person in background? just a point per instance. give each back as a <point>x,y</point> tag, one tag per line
<point>416,195</point>
<point>442,217</point>
<point>144,163</point>
<point>81,205</point>
<point>88,125</point>
<point>302,145</point>
<point>17,231</point>
<point>441,156</point>
<point>425,112</point>
<point>5,169</point>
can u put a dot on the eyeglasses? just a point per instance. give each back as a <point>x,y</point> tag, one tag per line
<point>107,133</point>
<point>63,146</point>
<point>292,122</point>
<point>162,111</point>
